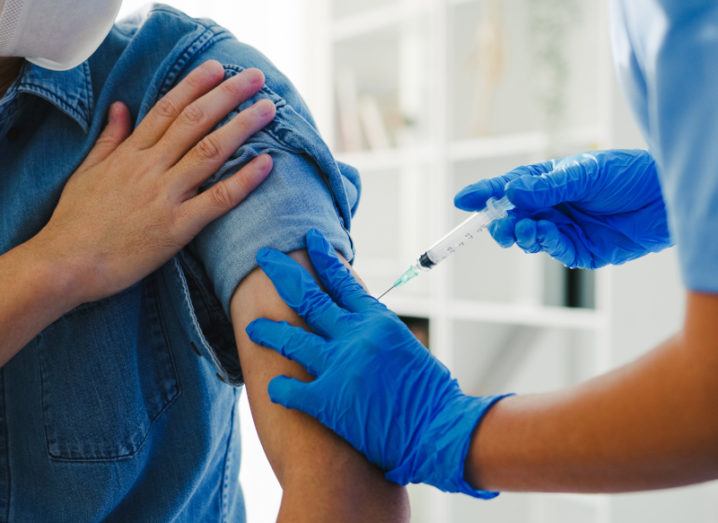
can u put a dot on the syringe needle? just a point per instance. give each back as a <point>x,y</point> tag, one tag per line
<point>388,291</point>
<point>411,273</point>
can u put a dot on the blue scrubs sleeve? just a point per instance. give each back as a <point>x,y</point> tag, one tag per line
<point>683,123</point>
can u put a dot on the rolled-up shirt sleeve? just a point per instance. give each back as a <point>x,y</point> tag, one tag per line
<point>306,189</point>
<point>300,193</point>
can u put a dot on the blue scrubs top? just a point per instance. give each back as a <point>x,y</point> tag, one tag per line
<point>666,52</point>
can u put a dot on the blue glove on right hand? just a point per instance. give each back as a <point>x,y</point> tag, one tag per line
<point>586,211</point>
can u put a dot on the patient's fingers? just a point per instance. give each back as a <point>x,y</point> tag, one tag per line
<point>200,116</point>
<point>196,213</point>
<point>170,106</point>
<point>116,131</point>
<point>213,150</point>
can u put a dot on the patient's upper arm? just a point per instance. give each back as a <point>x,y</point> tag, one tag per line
<point>323,478</point>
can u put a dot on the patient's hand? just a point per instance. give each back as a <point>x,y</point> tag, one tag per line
<point>323,478</point>
<point>133,203</point>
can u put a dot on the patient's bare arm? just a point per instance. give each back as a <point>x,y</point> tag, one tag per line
<point>323,478</point>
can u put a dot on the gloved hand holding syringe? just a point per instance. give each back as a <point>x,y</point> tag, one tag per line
<point>455,240</point>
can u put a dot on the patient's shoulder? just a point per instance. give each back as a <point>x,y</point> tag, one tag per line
<point>155,47</point>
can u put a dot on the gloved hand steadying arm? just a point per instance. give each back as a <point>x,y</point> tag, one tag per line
<point>587,211</point>
<point>375,385</point>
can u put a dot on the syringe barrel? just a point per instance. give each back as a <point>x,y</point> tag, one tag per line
<point>466,231</point>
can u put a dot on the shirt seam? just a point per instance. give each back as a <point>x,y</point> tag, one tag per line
<point>86,97</point>
<point>207,24</point>
<point>224,501</point>
<point>206,38</point>
<point>178,274</point>
<point>162,327</point>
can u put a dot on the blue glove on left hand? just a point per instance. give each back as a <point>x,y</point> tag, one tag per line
<point>376,385</point>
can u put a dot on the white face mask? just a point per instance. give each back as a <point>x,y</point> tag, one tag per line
<point>55,34</point>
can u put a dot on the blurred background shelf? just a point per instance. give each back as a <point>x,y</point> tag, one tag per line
<point>530,143</point>
<point>368,21</point>
<point>528,315</point>
<point>386,159</point>
<point>425,97</point>
<point>349,10</point>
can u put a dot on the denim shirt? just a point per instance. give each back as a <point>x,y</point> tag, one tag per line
<point>125,409</point>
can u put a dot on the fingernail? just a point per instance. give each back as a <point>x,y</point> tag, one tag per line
<point>263,162</point>
<point>114,111</point>
<point>256,77</point>
<point>265,108</point>
<point>212,67</point>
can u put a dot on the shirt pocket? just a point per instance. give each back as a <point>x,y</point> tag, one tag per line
<point>107,374</point>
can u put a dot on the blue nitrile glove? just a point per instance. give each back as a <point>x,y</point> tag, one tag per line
<point>375,384</point>
<point>586,211</point>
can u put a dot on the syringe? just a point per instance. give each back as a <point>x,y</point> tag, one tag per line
<point>455,240</point>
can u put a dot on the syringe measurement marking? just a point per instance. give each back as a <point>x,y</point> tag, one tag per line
<point>495,209</point>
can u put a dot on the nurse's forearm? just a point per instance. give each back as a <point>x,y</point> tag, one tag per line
<point>34,292</point>
<point>648,425</point>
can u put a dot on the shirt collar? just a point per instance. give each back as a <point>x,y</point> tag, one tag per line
<point>69,91</point>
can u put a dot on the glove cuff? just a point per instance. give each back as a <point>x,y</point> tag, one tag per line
<point>440,455</point>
